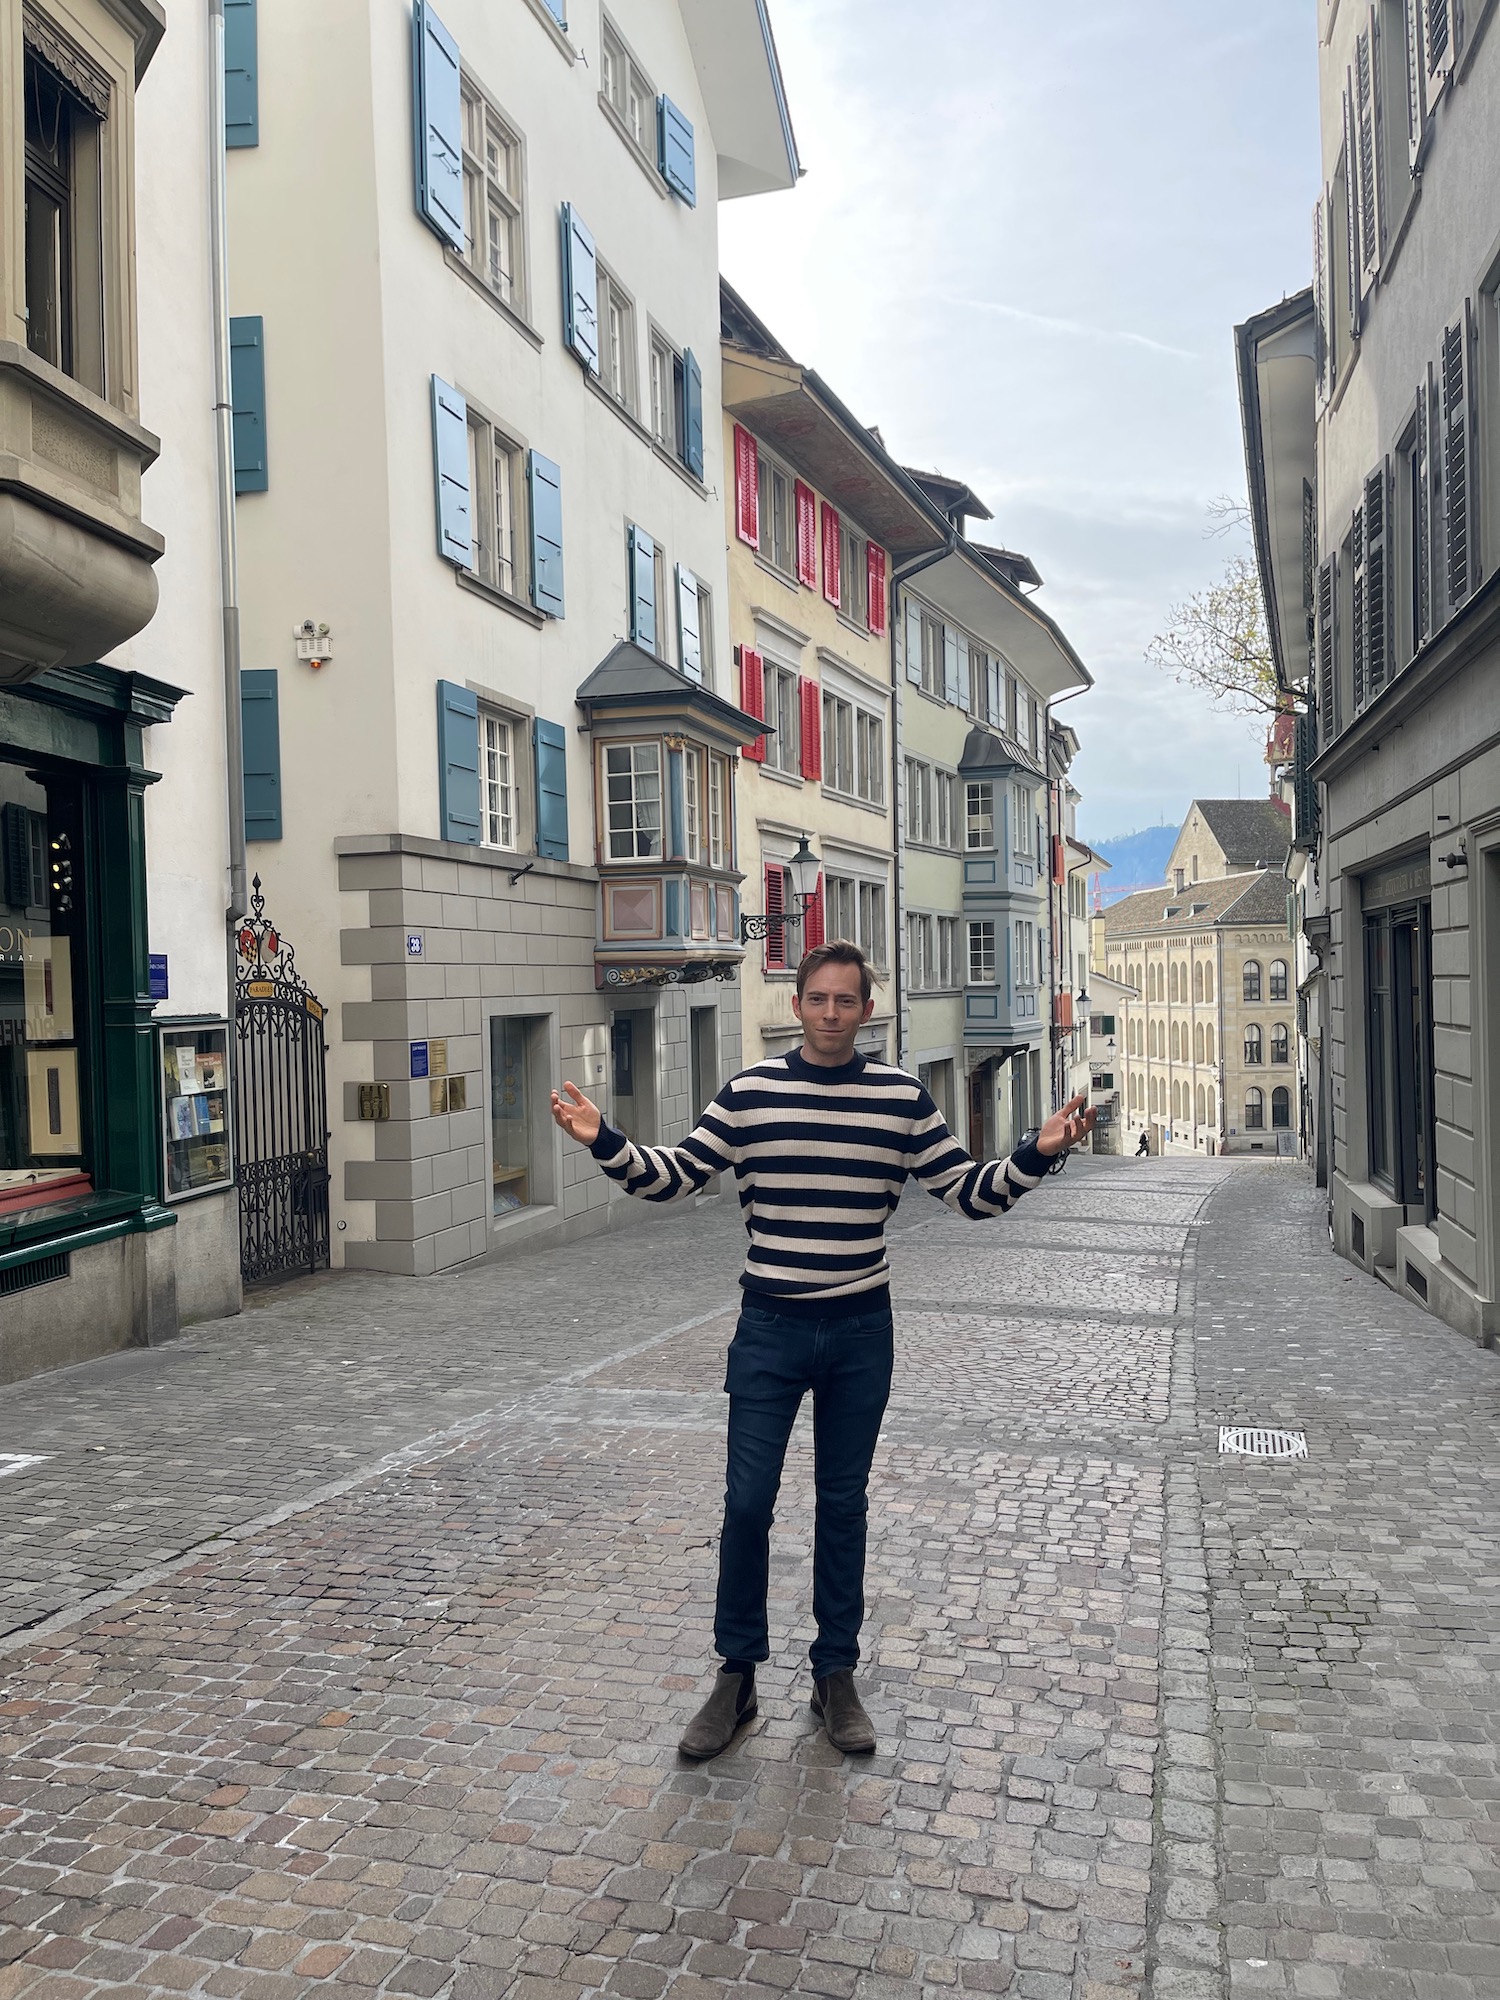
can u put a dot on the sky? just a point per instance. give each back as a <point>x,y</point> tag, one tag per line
<point>1021,246</point>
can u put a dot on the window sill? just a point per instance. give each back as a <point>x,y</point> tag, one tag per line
<point>637,153</point>
<point>876,806</point>
<point>781,777</point>
<point>501,599</point>
<point>930,847</point>
<point>670,459</point>
<point>860,631</point>
<point>791,581</point>
<point>559,35</point>
<point>626,415</point>
<point>475,283</point>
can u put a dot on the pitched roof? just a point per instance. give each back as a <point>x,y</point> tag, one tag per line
<point>1264,902</point>
<point>1228,899</point>
<point>1254,833</point>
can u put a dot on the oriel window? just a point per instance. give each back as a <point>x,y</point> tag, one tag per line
<point>63,251</point>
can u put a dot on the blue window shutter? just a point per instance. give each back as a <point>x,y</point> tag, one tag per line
<point>458,763</point>
<point>450,471</point>
<point>247,394</point>
<point>674,151</point>
<point>580,265</point>
<point>551,790</point>
<point>260,722</point>
<point>689,636</point>
<point>692,414</point>
<point>558,11</point>
<point>241,75</point>
<point>676,806</point>
<point>544,485</point>
<point>439,126</point>
<point>642,589</point>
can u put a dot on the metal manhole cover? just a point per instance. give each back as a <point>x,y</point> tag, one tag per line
<point>1262,1441</point>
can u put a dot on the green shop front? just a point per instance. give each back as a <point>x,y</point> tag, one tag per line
<point>94,1154</point>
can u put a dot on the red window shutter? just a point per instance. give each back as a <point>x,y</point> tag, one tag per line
<point>753,699</point>
<point>812,729</point>
<point>807,535</point>
<point>814,927</point>
<point>775,930</point>
<point>876,593</point>
<point>746,488</point>
<point>831,554</point>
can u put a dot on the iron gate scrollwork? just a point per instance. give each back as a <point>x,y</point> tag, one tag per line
<point>281,1105</point>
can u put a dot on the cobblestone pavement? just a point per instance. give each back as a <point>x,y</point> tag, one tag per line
<point>407,1725</point>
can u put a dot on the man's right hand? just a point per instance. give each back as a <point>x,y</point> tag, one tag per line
<point>579,1118</point>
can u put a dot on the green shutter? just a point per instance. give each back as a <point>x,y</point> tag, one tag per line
<point>241,75</point>
<point>551,790</point>
<point>458,763</point>
<point>260,722</point>
<point>247,395</point>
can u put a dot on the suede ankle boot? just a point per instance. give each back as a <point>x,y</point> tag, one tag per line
<point>845,1723</point>
<point>731,1703</point>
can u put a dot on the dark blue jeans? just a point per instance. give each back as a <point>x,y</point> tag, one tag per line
<point>774,1359</point>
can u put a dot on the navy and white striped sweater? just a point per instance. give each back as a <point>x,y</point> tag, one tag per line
<point>820,1156</point>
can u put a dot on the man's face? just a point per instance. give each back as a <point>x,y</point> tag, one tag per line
<point>831,1010</point>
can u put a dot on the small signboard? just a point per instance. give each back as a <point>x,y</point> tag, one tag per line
<point>158,964</point>
<point>414,944</point>
<point>419,1066</point>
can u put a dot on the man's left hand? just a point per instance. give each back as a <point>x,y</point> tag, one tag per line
<point>1068,1127</point>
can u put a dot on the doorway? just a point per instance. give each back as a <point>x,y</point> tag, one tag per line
<point>703,1055</point>
<point>632,1041</point>
<point>516,1043</point>
<point>1399,1056</point>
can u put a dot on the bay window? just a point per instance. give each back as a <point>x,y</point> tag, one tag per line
<point>632,777</point>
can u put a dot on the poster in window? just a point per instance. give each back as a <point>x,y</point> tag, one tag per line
<point>196,1155</point>
<point>52,1103</point>
<point>47,969</point>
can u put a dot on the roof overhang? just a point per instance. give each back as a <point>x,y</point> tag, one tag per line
<point>739,74</point>
<point>996,613</point>
<point>793,411</point>
<point>1276,354</point>
<point>631,682</point>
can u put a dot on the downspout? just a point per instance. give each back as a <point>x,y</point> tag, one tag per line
<point>1054,1042</point>
<point>234,754</point>
<point>899,575</point>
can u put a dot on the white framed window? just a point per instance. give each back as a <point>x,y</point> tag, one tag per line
<point>705,632</point>
<point>498,802</point>
<point>855,909</point>
<point>632,780</point>
<point>497,503</point>
<point>692,803</point>
<point>947,946</point>
<point>720,825</point>
<point>776,490</point>
<point>854,575</point>
<point>627,91</point>
<point>979,814</point>
<point>1025,819</point>
<point>869,757</point>
<point>666,374</point>
<point>945,799</point>
<point>934,670</point>
<point>617,372</point>
<point>919,952</point>
<point>981,951</point>
<point>783,706</point>
<point>841,907</point>
<point>872,927</point>
<point>494,211</point>
<point>918,801</point>
<point>853,750</point>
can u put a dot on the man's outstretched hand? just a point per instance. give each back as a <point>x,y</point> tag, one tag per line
<point>1068,1127</point>
<point>577,1116</point>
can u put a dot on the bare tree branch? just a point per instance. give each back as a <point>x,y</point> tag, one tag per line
<point>1218,641</point>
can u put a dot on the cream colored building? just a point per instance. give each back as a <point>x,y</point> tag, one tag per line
<point>1208,1027</point>
<point>483,579</point>
<point>818,513</point>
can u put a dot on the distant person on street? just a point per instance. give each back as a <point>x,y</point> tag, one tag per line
<point>820,1142</point>
<point>1144,1147</point>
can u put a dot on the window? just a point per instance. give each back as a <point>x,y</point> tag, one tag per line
<point>1179,877</point>
<point>854,576</point>
<point>632,777</point>
<point>1021,812</point>
<point>1198,1104</point>
<point>627,92</point>
<point>783,712</point>
<point>720,794</point>
<point>778,541</point>
<point>1281,1108</point>
<point>1254,1045</point>
<point>616,340</point>
<point>1198,982</point>
<point>497,781</point>
<point>1255,1111</point>
<point>1252,979</point>
<point>692,803</point>
<point>63,226</point>
<point>1208,1043</point>
<point>918,801</point>
<point>1020,704</point>
<point>495,489</point>
<point>982,953</point>
<point>838,744</point>
<point>933,668</point>
<point>947,950</point>
<point>705,634</point>
<point>494,241</point>
<point>1208,985</point>
<point>979,815</point>
<point>1281,1043</point>
<point>1278,979</point>
<point>666,378</point>
<point>945,797</point>
<point>872,932</point>
<point>1198,1041</point>
<point>1026,954</point>
<point>856,910</point>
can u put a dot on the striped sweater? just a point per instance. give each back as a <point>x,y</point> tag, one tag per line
<point>820,1156</point>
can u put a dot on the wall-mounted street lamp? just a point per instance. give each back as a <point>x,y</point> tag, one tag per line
<point>804,868</point>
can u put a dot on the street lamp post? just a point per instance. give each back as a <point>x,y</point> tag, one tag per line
<point>804,869</point>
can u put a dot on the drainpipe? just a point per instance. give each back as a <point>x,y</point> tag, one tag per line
<point>899,575</point>
<point>234,757</point>
<point>1054,965</point>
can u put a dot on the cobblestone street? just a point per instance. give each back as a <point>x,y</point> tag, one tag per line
<point>350,1641</point>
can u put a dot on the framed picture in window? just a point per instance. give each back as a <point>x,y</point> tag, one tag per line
<point>197,1127</point>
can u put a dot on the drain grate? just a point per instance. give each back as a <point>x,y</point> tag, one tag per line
<point>1262,1441</point>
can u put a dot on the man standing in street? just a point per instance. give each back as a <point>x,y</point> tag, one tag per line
<point>820,1142</point>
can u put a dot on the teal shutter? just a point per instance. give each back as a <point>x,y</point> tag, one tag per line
<point>260,724</point>
<point>551,790</point>
<point>692,414</point>
<point>544,486</point>
<point>674,151</point>
<point>642,589</point>
<point>458,763</point>
<point>450,467</point>
<point>439,127</point>
<point>580,273</point>
<point>241,75</point>
<point>689,636</point>
<point>247,396</point>
<point>676,805</point>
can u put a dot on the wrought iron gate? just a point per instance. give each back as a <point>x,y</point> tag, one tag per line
<point>281,1106</point>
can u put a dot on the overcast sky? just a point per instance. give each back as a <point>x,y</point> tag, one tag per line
<point>1021,247</point>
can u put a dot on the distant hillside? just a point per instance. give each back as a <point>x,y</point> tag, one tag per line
<point>1137,861</point>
